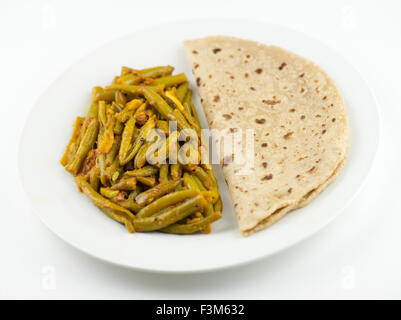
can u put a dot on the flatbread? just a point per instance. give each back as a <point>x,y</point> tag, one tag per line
<point>297,112</point>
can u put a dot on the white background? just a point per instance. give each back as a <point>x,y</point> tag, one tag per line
<point>356,256</point>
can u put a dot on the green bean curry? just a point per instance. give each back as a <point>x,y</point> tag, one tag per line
<point>129,160</point>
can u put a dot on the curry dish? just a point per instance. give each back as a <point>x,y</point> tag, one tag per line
<point>122,163</point>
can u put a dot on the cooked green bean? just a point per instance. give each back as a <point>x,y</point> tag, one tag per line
<point>190,105</point>
<point>203,176</point>
<point>157,72</point>
<point>165,202</point>
<point>94,178</point>
<point>163,174</point>
<point>176,171</point>
<point>109,193</point>
<point>147,181</point>
<point>145,129</point>
<point>140,158</point>
<point>86,144</point>
<point>93,111</point>
<point>72,145</point>
<point>111,155</point>
<point>189,182</point>
<point>129,77</point>
<point>120,98</point>
<point>218,206</point>
<point>170,81</point>
<point>126,139</point>
<point>118,127</point>
<point>135,192</point>
<point>182,113</point>
<point>124,115</point>
<point>209,209</point>
<point>128,204</point>
<point>98,93</point>
<point>114,171</point>
<point>101,163</point>
<point>133,89</point>
<point>177,213</point>
<point>192,227</point>
<point>143,172</point>
<point>165,110</point>
<point>152,194</point>
<point>108,133</point>
<point>119,218</point>
<point>180,109</point>
<point>100,201</point>
<point>102,113</point>
<point>163,126</point>
<point>182,91</point>
<point>188,97</point>
<point>125,184</point>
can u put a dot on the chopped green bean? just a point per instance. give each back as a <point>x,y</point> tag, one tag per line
<point>152,194</point>
<point>177,213</point>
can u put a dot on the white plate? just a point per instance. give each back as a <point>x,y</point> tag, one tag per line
<point>71,216</point>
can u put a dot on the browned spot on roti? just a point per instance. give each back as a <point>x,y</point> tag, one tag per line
<point>271,102</point>
<point>216,50</point>
<point>216,98</point>
<point>264,145</point>
<point>259,70</point>
<point>282,66</point>
<point>267,177</point>
<point>194,52</point>
<point>311,169</point>
<point>264,164</point>
<point>227,116</point>
<point>288,135</point>
<point>260,121</point>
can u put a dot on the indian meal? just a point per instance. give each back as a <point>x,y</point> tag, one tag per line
<point>297,114</point>
<point>128,154</point>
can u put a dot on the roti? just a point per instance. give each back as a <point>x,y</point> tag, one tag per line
<point>297,114</point>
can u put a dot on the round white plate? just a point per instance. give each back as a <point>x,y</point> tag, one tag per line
<point>73,217</point>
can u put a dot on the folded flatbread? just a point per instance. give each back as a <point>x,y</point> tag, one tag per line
<point>299,118</point>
